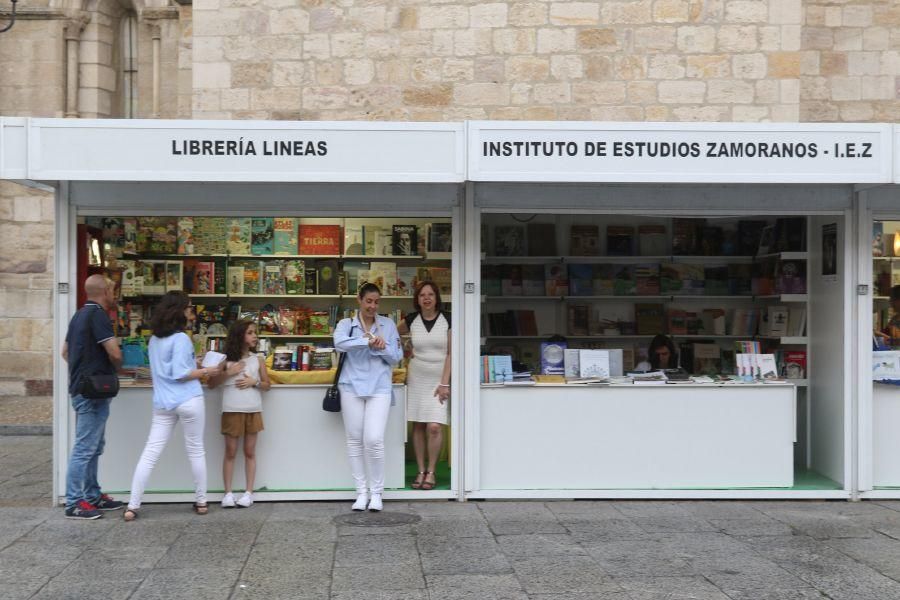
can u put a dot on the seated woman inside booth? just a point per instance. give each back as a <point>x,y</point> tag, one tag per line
<point>661,354</point>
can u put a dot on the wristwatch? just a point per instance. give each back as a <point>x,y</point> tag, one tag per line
<point>368,335</point>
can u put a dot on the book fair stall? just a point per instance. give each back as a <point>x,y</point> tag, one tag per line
<point>879,312</point>
<point>683,295</point>
<point>276,222</point>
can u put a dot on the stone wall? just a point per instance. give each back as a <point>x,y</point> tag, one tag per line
<point>658,60</point>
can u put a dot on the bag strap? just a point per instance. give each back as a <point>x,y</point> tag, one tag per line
<point>340,366</point>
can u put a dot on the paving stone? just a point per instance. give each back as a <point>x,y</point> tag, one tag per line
<point>70,531</point>
<point>670,588</point>
<point>142,533</point>
<point>203,551</point>
<point>24,586</point>
<point>290,511</point>
<point>282,589</point>
<point>775,594</point>
<point>35,559</point>
<point>449,556</point>
<point>298,531</point>
<point>377,577</point>
<point>752,526</point>
<point>375,549</point>
<point>880,553</point>
<point>192,583</point>
<point>381,595</point>
<point>540,545</point>
<point>108,589</point>
<point>584,509</point>
<point>670,524</point>
<point>452,527</point>
<point>607,595</point>
<point>505,587</point>
<point>637,558</point>
<point>642,508</point>
<point>446,508</point>
<point>261,569</point>
<point>723,509</point>
<point>125,564</point>
<point>304,552</point>
<point>604,529</point>
<point>554,574</point>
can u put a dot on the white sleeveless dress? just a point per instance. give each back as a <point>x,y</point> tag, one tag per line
<point>425,370</point>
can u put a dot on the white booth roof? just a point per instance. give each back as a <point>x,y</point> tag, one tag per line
<point>500,151</point>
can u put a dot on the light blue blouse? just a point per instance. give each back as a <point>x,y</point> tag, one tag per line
<point>171,360</point>
<point>367,372</point>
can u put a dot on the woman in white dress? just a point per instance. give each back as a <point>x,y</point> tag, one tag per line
<point>428,379</point>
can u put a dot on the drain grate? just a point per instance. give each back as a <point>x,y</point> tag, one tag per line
<point>376,519</point>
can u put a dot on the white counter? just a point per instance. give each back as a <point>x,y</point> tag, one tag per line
<point>302,447</point>
<point>885,441</point>
<point>636,437</point>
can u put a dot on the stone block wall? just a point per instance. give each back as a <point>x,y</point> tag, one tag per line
<point>657,60</point>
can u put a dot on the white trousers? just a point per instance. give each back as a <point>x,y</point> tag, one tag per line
<point>193,417</point>
<point>365,419</point>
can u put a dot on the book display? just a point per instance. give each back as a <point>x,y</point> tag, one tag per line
<point>617,282</point>
<point>295,277</point>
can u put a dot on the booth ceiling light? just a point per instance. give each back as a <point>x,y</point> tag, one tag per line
<point>897,243</point>
<point>12,17</point>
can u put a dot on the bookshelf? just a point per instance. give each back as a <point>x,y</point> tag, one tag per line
<point>695,279</point>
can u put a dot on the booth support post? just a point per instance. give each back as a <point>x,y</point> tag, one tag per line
<point>861,440</point>
<point>63,290</point>
<point>472,336</point>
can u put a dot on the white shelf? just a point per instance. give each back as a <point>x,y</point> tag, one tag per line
<point>786,297</point>
<point>280,336</point>
<point>520,298</point>
<point>277,256</point>
<point>701,297</point>
<point>784,256</point>
<point>786,339</point>
<point>386,257</point>
<point>293,296</point>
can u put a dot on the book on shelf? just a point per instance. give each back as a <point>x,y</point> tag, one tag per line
<point>364,276</point>
<point>407,279</point>
<point>624,283</point>
<point>404,240</point>
<point>509,240</point>
<point>766,367</point>
<point>210,235</point>
<point>273,278</point>
<point>491,279</point>
<point>649,318</point>
<point>776,321</point>
<point>440,240</point>
<point>262,236</point>
<point>238,240</point>
<point>652,240</point>
<point>745,321</point>
<point>553,358</point>
<point>790,234</point>
<point>646,278</point>
<point>797,321</point>
<point>571,363</point>
<point>353,240</point>
<point>676,321</point>
<point>284,235</point>
<point>294,277</point>
<point>686,236</point>
<point>319,239</point>
<point>584,240</point>
<point>581,279</point>
<point>791,277</point>
<point>154,276</point>
<point>129,232</point>
<point>526,323</point>
<point>670,278</point>
<point>328,277</point>
<point>716,281</point>
<point>541,240</point>
<point>132,278</point>
<point>763,280</point>
<point>748,234</point>
<point>253,270</point>
<point>161,234</point>
<point>185,235</point>
<point>579,319</point>
<point>533,280</point>
<point>593,363</point>
<point>604,277</point>
<point>878,239</point>
<point>706,358</point>
<point>379,240</point>
<point>235,279</point>
<point>713,321</point>
<point>319,323</point>
<point>651,378</point>
<point>442,278</point>
<point>556,280</point>
<point>619,240</point>
<point>204,277</point>
<point>740,278</point>
<point>693,281</point>
<point>795,364</point>
<point>511,280</point>
<point>383,274</point>
<point>766,241</point>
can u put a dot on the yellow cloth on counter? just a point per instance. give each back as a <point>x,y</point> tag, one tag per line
<point>315,377</point>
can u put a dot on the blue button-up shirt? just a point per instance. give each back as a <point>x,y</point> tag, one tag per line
<point>366,371</point>
<point>171,360</point>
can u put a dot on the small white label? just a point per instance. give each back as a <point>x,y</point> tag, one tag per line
<point>469,288</point>
<point>862,289</point>
<point>63,288</point>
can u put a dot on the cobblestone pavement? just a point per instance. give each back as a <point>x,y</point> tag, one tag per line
<point>477,550</point>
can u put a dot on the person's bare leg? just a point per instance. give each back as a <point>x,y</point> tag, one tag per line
<point>250,459</point>
<point>435,442</point>
<point>418,435</point>
<point>231,444</point>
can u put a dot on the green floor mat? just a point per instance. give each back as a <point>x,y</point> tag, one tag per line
<point>442,475</point>
<point>807,480</point>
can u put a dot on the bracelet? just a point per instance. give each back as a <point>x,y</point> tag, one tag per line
<point>443,385</point>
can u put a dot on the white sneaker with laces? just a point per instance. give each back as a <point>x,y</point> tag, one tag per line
<point>362,501</point>
<point>228,500</point>
<point>246,501</point>
<point>375,503</point>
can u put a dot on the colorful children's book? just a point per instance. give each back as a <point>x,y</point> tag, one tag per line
<point>328,276</point>
<point>406,280</point>
<point>624,283</point>
<point>185,235</point>
<point>294,277</point>
<point>384,275</point>
<point>285,235</point>
<point>320,239</point>
<point>604,280</point>
<point>262,236</point>
<point>210,235</point>
<point>235,279</point>
<point>353,240</point>
<point>253,275</point>
<point>238,240</point>
<point>204,277</point>
<point>130,226</point>
<point>273,278</point>
<point>556,280</point>
<point>442,278</point>
<point>647,279</point>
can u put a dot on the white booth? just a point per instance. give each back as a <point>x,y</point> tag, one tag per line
<point>878,229</point>
<point>344,176</point>
<point>577,199</point>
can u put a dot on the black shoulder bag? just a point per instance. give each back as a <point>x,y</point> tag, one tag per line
<point>332,400</point>
<point>99,387</point>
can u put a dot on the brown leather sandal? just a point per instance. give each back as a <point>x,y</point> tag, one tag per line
<point>417,482</point>
<point>130,511</point>
<point>429,485</point>
<point>201,509</point>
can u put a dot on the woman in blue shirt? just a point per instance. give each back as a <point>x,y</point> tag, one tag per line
<point>373,348</point>
<point>177,395</point>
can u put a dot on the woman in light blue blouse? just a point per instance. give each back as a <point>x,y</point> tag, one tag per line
<point>177,395</point>
<point>373,348</point>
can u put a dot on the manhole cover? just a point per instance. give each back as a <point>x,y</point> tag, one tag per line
<point>377,519</point>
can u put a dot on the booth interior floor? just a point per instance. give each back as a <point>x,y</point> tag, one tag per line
<point>806,479</point>
<point>442,475</point>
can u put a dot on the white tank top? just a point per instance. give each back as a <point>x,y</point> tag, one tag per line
<point>248,400</point>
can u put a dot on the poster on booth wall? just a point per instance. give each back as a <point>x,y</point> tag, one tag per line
<point>886,365</point>
<point>829,252</point>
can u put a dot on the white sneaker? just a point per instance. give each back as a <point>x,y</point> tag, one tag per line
<point>375,503</point>
<point>228,500</point>
<point>246,501</point>
<point>362,501</point>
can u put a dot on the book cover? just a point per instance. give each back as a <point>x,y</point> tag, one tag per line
<point>766,367</point>
<point>541,240</point>
<point>526,323</point>
<point>262,236</point>
<point>113,235</point>
<point>584,240</point>
<point>676,322</point>
<point>556,280</point>
<point>312,281</point>
<point>581,279</point>
<point>790,234</point>
<point>649,318</point>
<point>210,235</point>
<point>273,279</point>
<point>685,234</point>
<point>533,280</point>
<point>624,283</point>
<point>791,276</point>
<point>693,279</point>
<point>238,240</point>
<point>328,277</point>
<point>294,277</point>
<point>163,235</point>
<point>204,277</point>
<point>442,278</point>
<point>407,279</point>
<point>745,321</point>
<point>502,368</point>
<point>766,241</point>
<point>553,358</point>
<point>376,241</point>
<point>130,228</point>
<point>404,240</point>
<point>604,280</point>
<point>353,240</point>
<point>509,240</point>
<point>511,280</point>
<point>647,281</point>
<point>320,239</point>
<point>619,240</point>
<point>579,319</point>
<point>777,318</point>
<point>440,240</point>
<point>318,323</point>
<point>570,363</point>
<point>185,235</point>
<point>713,320</point>
<point>593,363</point>
<point>189,273</point>
<point>707,359</point>
<point>652,240</point>
<point>384,275</point>
<point>284,235</point>
<point>878,238</point>
<point>795,364</point>
<point>671,279</point>
<point>491,280</point>
<point>235,279</point>
<point>748,234</point>
<point>717,280</point>
<point>132,284</point>
<point>220,276</point>
<point>797,321</point>
<point>252,277</point>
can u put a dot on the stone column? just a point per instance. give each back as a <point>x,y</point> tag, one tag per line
<point>74,27</point>
<point>156,36</point>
